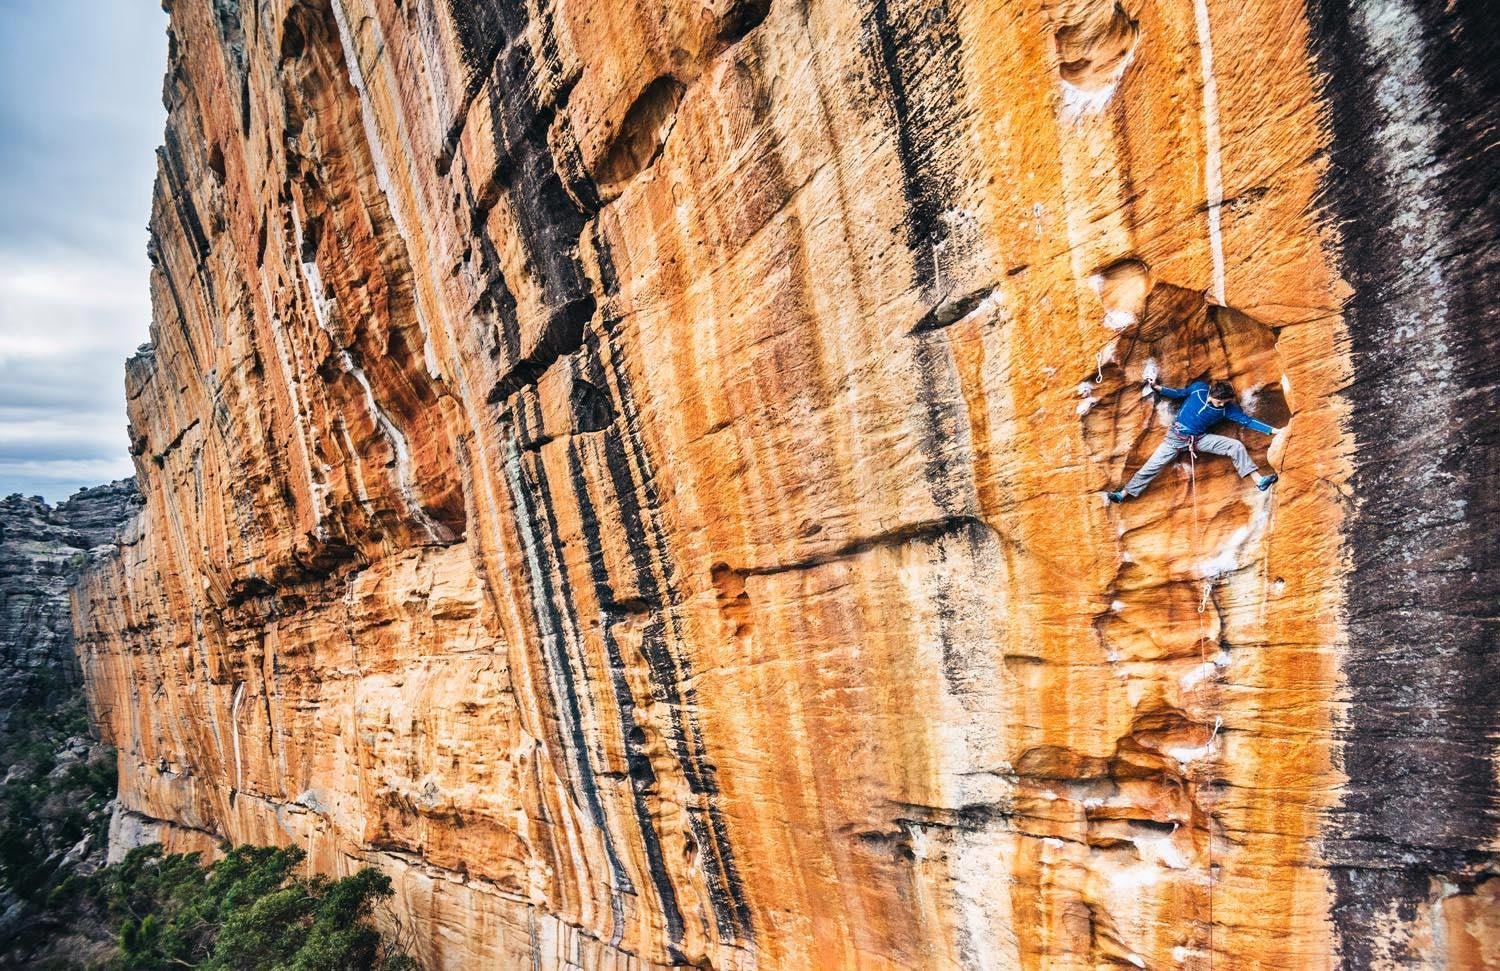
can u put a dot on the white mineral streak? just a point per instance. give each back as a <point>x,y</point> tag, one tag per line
<point>1213,175</point>
<point>398,445</point>
<point>234,722</point>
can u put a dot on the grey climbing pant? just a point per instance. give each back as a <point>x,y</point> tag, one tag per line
<point>1175,443</point>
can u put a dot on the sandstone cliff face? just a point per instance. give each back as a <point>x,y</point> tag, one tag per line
<point>632,472</point>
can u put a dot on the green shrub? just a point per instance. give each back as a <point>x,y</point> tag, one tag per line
<point>248,911</point>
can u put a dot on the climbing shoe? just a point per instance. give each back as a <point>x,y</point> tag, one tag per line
<point>1266,481</point>
<point>1118,496</point>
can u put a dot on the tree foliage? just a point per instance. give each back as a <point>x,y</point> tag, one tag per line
<point>47,805</point>
<point>248,911</point>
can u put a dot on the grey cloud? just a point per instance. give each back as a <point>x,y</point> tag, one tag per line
<point>80,117</point>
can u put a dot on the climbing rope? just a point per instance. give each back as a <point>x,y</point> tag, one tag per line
<point>1265,558</point>
<point>1208,588</point>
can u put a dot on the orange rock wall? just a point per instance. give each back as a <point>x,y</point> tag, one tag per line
<point>633,473</point>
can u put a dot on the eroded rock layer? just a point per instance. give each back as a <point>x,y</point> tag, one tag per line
<point>632,472</point>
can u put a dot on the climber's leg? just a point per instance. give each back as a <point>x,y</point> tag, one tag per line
<point>1232,448</point>
<point>1160,459</point>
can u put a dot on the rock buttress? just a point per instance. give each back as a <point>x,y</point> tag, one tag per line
<point>632,473</point>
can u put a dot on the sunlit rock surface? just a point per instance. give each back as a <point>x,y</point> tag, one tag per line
<point>632,472</point>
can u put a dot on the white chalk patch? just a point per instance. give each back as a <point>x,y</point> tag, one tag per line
<point>1199,672</point>
<point>1053,842</point>
<point>989,305</point>
<point>1150,373</point>
<point>1078,103</point>
<point>1117,605</point>
<point>1160,850</point>
<point>1049,795</point>
<point>1187,756</point>
<point>1136,960</point>
<point>1087,405</point>
<point>1085,388</point>
<point>958,219</point>
<point>1135,877</point>
<point>1227,558</point>
<point>1118,320</point>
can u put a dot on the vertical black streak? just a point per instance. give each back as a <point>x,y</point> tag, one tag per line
<point>1422,663</point>
<point>550,217</point>
<point>635,755</point>
<point>647,543</point>
<point>557,632</point>
<point>915,50</point>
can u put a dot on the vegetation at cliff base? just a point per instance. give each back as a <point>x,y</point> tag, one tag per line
<point>251,910</point>
<point>55,791</point>
<point>54,810</point>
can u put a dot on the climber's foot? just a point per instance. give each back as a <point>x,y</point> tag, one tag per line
<point>1266,481</point>
<point>1117,496</point>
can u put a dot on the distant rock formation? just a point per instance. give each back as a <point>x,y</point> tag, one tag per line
<point>632,471</point>
<point>42,553</point>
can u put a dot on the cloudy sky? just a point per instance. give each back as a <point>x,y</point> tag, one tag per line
<point>80,118</point>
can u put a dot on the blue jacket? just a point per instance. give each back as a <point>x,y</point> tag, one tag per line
<point>1197,416</point>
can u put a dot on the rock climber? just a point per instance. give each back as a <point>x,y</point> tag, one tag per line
<point>1205,404</point>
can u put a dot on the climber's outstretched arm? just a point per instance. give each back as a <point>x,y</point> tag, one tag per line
<point>1176,394</point>
<point>1234,414</point>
